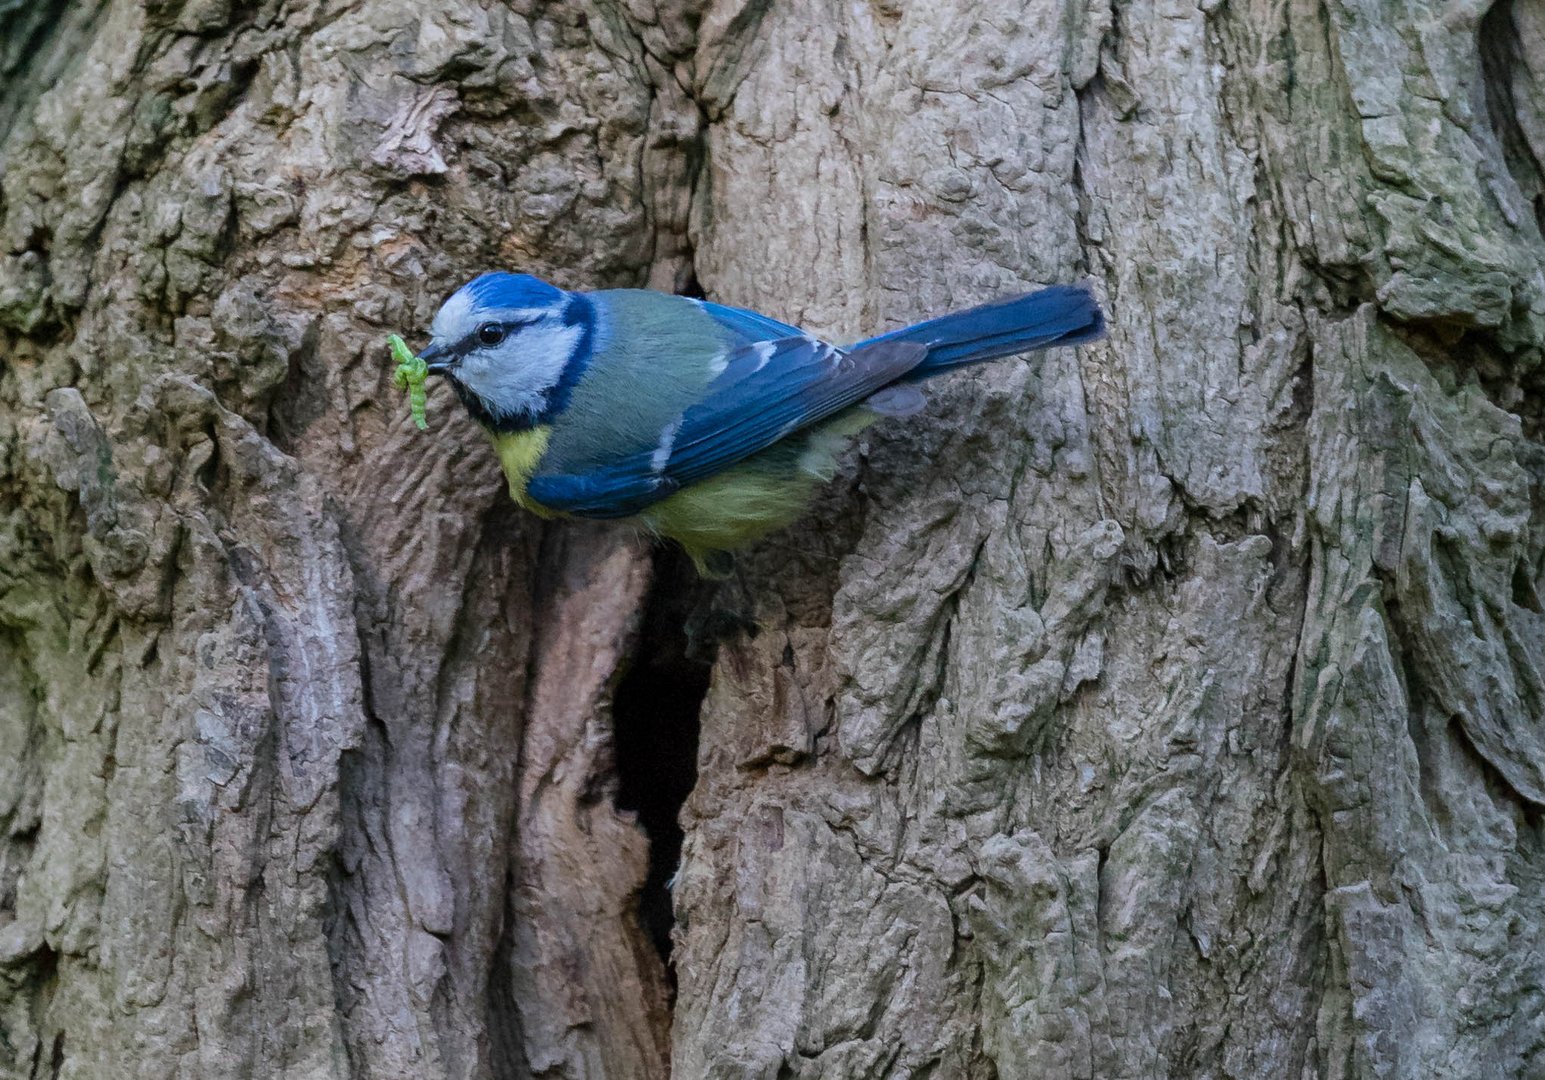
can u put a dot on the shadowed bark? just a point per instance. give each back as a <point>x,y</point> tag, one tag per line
<point>1174,706</point>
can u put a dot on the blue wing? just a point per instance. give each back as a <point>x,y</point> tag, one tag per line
<point>767,391</point>
<point>748,325</point>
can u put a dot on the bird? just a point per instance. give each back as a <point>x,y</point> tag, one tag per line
<point>706,424</point>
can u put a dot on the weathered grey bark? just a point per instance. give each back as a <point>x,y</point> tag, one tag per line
<point>1174,707</point>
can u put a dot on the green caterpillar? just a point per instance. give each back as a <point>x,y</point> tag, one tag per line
<point>410,375</point>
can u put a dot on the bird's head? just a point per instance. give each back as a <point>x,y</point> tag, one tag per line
<point>510,344</point>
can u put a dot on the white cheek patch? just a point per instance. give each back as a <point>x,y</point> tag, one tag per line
<point>515,378</point>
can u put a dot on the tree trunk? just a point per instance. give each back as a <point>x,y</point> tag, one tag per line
<point>1174,706</point>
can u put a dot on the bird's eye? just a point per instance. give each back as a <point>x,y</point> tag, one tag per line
<point>490,333</point>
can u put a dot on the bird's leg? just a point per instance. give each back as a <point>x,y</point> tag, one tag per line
<point>720,612</point>
<point>717,565</point>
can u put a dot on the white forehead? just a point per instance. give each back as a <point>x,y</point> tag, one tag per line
<point>455,319</point>
<point>461,314</point>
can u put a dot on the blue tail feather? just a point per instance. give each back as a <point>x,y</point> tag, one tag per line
<point>1052,317</point>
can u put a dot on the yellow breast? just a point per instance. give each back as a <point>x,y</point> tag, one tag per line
<point>519,455</point>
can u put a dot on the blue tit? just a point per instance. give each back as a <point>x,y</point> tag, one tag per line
<point>707,424</point>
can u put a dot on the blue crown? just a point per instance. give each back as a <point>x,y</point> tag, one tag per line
<point>500,290</point>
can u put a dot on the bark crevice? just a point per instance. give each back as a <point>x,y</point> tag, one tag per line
<point>655,713</point>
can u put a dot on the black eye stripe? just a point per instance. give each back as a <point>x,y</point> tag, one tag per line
<point>475,339</point>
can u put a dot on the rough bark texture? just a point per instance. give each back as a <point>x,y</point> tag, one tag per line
<point>1172,707</point>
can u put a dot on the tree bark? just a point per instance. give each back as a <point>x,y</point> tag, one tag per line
<point>1174,706</point>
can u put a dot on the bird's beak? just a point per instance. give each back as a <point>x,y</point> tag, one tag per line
<point>438,358</point>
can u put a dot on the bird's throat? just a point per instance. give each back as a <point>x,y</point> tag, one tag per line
<point>520,453</point>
